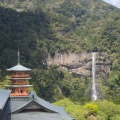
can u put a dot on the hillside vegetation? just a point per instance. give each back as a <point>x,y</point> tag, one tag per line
<point>39,28</point>
<point>100,110</point>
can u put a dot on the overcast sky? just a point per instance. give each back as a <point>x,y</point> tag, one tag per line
<point>113,2</point>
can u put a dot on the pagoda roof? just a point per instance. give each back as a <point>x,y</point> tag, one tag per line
<point>18,85</point>
<point>19,78</point>
<point>18,67</point>
<point>4,95</point>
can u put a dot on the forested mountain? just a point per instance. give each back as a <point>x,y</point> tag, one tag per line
<point>41,28</point>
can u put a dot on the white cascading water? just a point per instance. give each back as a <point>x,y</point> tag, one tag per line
<point>94,90</point>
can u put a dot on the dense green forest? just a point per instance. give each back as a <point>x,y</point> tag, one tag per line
<point>99,110</point>
<point>40,28</point>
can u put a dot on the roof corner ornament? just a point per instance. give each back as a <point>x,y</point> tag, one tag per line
<point>33,97</point>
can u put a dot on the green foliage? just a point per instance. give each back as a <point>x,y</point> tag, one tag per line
<point>53,84</point>
<point>76,111</point>
<point>113,83</point>
<point>47,83</point>
<point>110,109</point>
<point>99,110</point>
<point>23,30</point>
<point>91,108</point>
<point>5,82</point>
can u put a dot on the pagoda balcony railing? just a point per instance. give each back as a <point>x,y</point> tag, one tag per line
<point>19,94</point>
<point>19,83</point>
<point>20,76</point>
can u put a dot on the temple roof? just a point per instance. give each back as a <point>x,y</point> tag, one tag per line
<point>37,103</point>
<point>4,95</point>
<point>30,107</point>
<point>18,67</point>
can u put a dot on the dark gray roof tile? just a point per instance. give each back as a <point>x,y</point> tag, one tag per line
<point>4,95</point>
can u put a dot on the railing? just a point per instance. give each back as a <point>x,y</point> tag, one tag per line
<point>19,94</point>
<point>20,75</point>
<point>19,83</point>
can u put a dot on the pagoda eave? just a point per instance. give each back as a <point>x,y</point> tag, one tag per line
<point>18,86</point>
<point>18,68</point>
<point>19,78</point>
<point>18,94</point>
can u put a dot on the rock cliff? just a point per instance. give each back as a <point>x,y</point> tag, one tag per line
<point>81,64</point>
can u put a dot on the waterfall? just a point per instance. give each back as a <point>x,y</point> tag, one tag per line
<point>94,90</point>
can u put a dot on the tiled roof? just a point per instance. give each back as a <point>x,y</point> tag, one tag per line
<point>19,67</point>
<point>54,108</point>
<point>30,107</point>
<point>46,105</point>
<point>4,95</point>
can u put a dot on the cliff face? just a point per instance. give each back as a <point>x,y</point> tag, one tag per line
<point>81,64</point>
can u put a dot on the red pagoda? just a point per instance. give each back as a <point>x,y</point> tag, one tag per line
<point>19,76</point>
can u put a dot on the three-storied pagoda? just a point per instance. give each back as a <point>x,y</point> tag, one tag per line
<point>19,76</point>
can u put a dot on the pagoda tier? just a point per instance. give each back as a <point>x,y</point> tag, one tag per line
<point>19,84</point>
<point>19,75</point>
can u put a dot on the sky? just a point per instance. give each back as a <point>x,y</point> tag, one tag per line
<point>113,2</point>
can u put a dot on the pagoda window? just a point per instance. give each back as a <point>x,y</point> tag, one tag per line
<point>21,91</point>
<point>17,91</point>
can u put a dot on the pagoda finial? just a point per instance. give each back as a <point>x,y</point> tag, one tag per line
<point>18,57</point>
